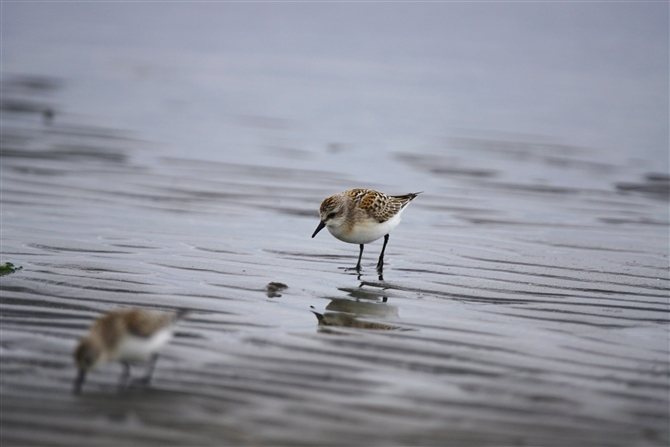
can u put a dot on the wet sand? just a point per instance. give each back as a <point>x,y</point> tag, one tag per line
<point>524,298</point>
<point>509,312</point>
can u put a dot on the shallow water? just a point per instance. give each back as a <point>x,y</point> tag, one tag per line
<point>524,299</point>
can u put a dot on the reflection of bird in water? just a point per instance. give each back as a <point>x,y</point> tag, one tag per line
<point>361,293</point>
<point>129,336</point>
<point>347,320</point>
<point>361,216</point>
<point>362,307</point>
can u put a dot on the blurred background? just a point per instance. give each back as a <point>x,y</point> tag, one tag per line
<point>175,155</point>
<point>216,80</point>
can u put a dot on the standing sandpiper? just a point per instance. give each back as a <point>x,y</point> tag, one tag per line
<point>129,336</point>
<point>360,216</point>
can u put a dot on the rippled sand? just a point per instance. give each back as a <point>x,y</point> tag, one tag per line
<point>511,312</point>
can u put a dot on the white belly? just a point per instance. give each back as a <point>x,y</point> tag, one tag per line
<point>134,349</point>
<point>364,232</point>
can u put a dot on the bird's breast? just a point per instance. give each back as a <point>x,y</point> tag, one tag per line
<point>134,349</point>
<point>363,232</point>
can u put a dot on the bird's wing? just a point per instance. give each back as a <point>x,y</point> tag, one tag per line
<point>145,324</point>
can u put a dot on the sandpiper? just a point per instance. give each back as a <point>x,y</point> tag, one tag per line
<point>361,216</point>
<point>129,336</point>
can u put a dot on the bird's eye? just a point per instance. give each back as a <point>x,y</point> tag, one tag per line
<point>331,215</point>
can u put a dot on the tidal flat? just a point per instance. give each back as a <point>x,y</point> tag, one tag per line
<point>524,299</point>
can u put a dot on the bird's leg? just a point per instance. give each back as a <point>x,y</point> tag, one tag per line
<point>125,375</point>
<point>151,367</point>
<point>150,371</point>
<point>380,263</point>
<point>360,255</point>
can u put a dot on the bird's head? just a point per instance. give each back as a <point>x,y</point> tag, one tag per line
<point>331,212</point>
<point>87,355</point>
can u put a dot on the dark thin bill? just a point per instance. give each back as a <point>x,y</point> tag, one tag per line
<point>319,228</point>
<point>79,381</point>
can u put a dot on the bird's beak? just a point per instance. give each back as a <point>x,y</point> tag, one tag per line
<point>319,228</point>
<point>79,381</point>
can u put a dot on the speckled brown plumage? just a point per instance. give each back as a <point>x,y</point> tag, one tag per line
<point>378,205</point>
<point>114,325</point>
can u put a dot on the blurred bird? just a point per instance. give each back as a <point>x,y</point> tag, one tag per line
<point>129,336</point>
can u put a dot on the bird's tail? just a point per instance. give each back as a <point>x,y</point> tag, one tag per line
<point>406,198</point>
